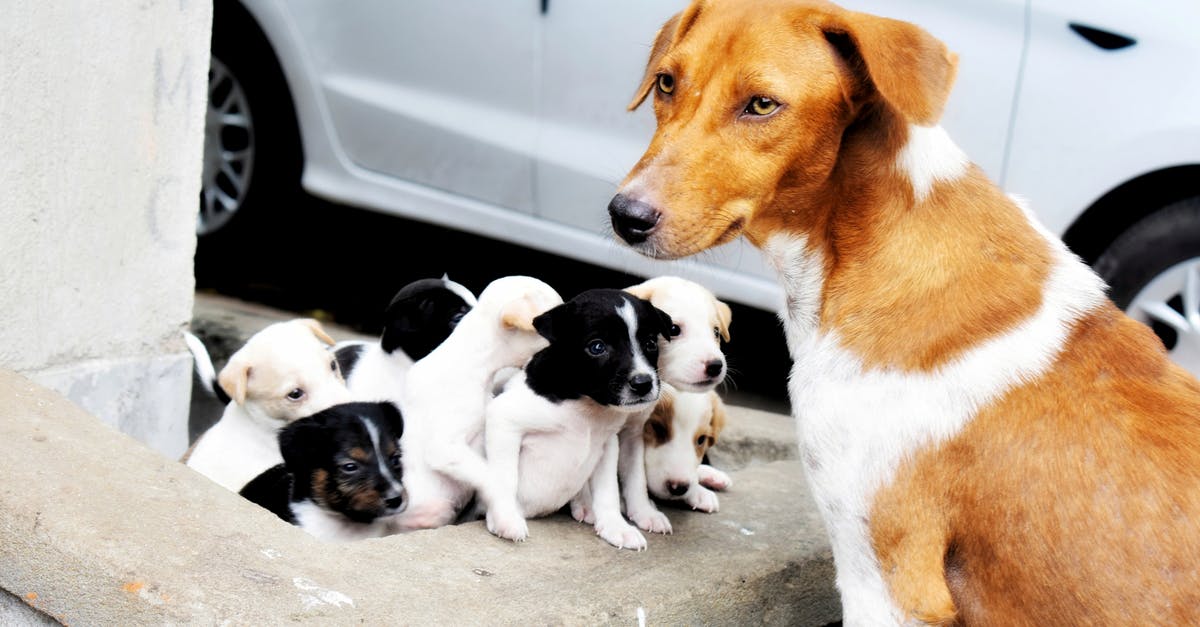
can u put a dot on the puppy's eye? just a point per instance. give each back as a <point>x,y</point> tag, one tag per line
<point>675,331</point>
<point>394,460</point>
<point>650,346</point>
<point>295,394</point>
<point>333,365</point>
<point>716,333</point>
<point>349,467</point>
<point>701,440</point>
<point>458,316</point>
<point>666,83</point>
<point>761,105</point>
<point>596,348</point>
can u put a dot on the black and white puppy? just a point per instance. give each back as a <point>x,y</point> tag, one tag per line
<point>551,433</point>
<point>341,473</point>
<point>421,315</point>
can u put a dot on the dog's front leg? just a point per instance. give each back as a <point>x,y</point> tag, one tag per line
<point>606,502</point>
<point>631,468</point>
<point>502,442</point>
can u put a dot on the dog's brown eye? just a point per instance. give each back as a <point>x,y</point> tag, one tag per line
<point>666,83</point>
<point>675,330</point>
<point>349,467</point>
<point>295,394</point>
<point>761,105</point>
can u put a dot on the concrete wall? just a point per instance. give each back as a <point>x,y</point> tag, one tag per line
<point>101,124</point>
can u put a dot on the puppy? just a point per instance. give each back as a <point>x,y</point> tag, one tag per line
<point>692,361</point>
<point>282,373</point>
<point>681,429</point>
<point>446,391</point>
<point>987,437</point>
<point>552,431</point>
<point>421,315</point>
<point>341,473</point>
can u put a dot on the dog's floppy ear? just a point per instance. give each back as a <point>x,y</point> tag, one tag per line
<point>724,317</point>
<point>302,440</point>
<point>545,324</point>
<point>664,321</point>
<point>521,313</point>
<point>668,35</point>
<point>909,68</point>
<point>642,291</point>
<point>393,418</point>
<point>234,378</point>
<point>717,423</point>
<point>318,330</point>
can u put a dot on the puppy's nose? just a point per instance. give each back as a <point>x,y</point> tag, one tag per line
<point>714,368</point>
<point>641,384</point>
<point>677,488</point>
<point>633,220</point>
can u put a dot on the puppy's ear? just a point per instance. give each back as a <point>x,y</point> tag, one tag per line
<point>717,423</point>
<point>669,34</point>
<point>303,439</point>
<point>393,418</point>
<point>317,330</point>
<point>546,323</point>
<point>724,317</point>
<point>642,291</point>
<point>520,313</point>
<point>910,69</point>
<point>664,321</point>
<point>234,378</point>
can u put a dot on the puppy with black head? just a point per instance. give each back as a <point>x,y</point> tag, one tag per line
<point>418,319</point>
<point>551,433</point>
<point>341,474</point>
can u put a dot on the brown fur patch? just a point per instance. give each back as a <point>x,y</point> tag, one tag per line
<point>359,454</point>
<point>660,425</point>
<point>1072,500</point>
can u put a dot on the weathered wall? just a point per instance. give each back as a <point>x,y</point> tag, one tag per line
<point>101,123</point>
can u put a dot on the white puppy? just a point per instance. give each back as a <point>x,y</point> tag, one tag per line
<point>282,373</point>
<point>446,391</point>
<point>681,429</point>
<point>551,432</point>
<point>692,362</point>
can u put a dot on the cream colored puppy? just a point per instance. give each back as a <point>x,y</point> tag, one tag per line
<point>691,361</point>
<point>282,373</point>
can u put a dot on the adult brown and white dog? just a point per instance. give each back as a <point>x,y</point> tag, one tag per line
<point>988,438</point>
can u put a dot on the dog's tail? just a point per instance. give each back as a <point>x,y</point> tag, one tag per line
<point>204,368</point>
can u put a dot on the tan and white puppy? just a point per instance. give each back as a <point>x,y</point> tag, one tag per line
<point>691,361</point>
<point>681,429</point>
<point>282,373</point>
<point>445,394</point>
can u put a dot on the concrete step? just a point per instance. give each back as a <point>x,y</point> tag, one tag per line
<point>97,529</point>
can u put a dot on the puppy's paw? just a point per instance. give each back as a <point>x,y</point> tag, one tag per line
<point>651,520</point>
<point>702,499</point>
<point>581,512</point>
<point>511,527</point>
<point>712,478</point>
<point>621,535</point>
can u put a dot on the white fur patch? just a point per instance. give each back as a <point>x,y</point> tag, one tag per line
<point>929,156</point>
<point>641,365</point>
<point>856,425</point>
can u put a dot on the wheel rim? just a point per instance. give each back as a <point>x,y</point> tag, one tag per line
<point>228,150</point>
<point>1170,304</point>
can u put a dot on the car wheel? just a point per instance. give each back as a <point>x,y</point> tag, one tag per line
<point>252,155</point>
<point>1153,272</point>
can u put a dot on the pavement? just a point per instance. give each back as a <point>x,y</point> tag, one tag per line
<point>96,528</point>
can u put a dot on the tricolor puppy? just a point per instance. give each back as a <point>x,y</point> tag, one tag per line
<point>282,373</point>
<point>692,361</point>
<point>552,431</point>
<point>681,429</point>
<point>341,474</point>
<point>446,392</point>
<point>421,315</point>
<point>988,438</point>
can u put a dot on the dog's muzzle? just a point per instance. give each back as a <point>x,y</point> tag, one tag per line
<point>633,220</point>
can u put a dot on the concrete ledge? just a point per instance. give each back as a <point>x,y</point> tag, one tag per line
<point>96,528</point>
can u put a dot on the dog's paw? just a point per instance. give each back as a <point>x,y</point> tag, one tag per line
<point>651,520</point>
<point>510,527</point>
<point>712,478</point>
<point>702,499</point>
<point>621,535</point>
<point>581,512</point>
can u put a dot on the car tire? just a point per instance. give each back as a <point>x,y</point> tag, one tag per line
<point>252,153</point>
<point>1153,273</point>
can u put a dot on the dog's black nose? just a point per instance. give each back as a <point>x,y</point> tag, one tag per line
<point>633,220</point>
<point>714,368</point>
<point>677,488</point>
<point>641,384</point>
<point>395,502</point>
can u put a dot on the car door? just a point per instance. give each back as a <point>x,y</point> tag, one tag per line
<point>436,92</point>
